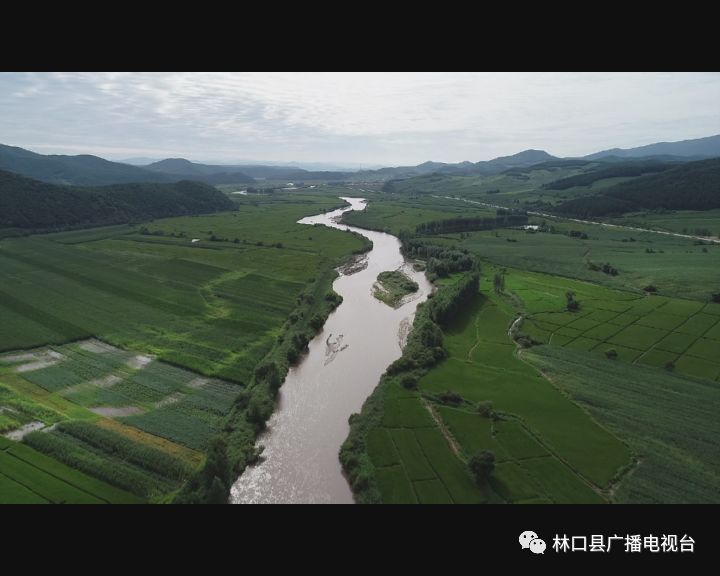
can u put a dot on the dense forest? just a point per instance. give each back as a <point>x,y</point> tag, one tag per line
<point>691,186</point>
<point>28,204</point>
<point>622,169</point>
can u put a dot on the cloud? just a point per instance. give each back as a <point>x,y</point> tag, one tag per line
<point>386,117</point>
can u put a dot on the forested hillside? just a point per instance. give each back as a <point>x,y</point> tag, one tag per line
<point>691,186</point>
<point>33,205</point>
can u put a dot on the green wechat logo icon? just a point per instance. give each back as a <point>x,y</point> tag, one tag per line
<point>529,539</point>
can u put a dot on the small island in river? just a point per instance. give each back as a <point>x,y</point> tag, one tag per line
<point>392,287</point>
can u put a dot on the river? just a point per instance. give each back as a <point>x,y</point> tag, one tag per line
<point>342,367</point>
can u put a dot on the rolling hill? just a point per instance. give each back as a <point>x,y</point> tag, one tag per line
<point>83,170</point>
<point>690,186</point>
<point>31,205</point>
<point>708,147</point>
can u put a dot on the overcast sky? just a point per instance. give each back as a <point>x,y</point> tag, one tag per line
<point>379,118</point>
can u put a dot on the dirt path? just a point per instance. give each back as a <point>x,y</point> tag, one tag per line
<point>445,432</point>
<point>477,339</point>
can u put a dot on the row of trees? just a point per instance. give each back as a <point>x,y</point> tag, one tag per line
<point>441,261</point>
<point>454,225</point>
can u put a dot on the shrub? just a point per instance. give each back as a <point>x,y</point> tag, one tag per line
<point>409,381</point>
<point>486,409</point>
<point>450,397</point>
<point>482,465</point>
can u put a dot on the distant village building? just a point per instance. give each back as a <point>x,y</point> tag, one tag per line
<point>533,227</point>
<point>195,240</point>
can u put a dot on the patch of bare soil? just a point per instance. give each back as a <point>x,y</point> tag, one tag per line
<point>448,436</point>
<point>404,331</point>
<point>356,264</point>
<point>39,360</point>
<point>20,433</point>
<point>97,347</point>
<point>172,399</point>
<point>116,411</point>
<point>15,358</point>
<point>198,383</point>
<point>139,362</point>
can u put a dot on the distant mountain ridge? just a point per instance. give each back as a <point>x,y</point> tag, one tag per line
<point>708,147</point>
<point>87,170</point>
<point>82,170</point>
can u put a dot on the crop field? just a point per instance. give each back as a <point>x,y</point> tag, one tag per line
<point>554,443</point>
<point>649,330</point>
<point>27,476</point>
<point>547,449</point>
<point>134,388</point>
<point>127,419</point>
<point>123,349</point>
<point>214,306</point>
<point>670,422</point>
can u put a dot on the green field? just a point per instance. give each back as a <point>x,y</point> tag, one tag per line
<point>669,421</point>
<point>163,413</point>
<point>652,330</point>
<point>213,306</point>
<point>682,222</point>
<point>678,267</point>
<point>545,446</point>
<point>551,443</point>
<point>27,476</point>
<point>166,335</point>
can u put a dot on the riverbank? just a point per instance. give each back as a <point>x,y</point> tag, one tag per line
<point>345,360</point>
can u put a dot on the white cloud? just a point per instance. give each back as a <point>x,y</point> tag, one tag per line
<point>388,118</point>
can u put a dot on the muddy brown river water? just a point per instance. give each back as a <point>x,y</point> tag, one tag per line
<point>345,361</point>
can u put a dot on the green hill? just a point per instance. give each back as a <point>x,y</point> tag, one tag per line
<point>83,170</point>
<point>182,168</point>
<point>708,147</point>
<point>690,186</point>
<point>29,204</point>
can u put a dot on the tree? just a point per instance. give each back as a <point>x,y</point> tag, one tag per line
<point>670,366</point>
<point>572,304</point>
<point>217,465</point>
<point>409,381</point>
<point>611,353</point>
<point>260,408</point>
<point>499,283</point>
<point>482,465</point>
<point>486,409</point>
<point>716,298</point>
<point>217,494</point>
<point>270,373</point>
